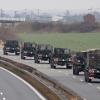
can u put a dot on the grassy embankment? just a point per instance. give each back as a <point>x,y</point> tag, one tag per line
<point>74,41</point>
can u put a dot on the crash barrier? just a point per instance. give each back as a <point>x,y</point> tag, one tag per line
<point>48,87</point>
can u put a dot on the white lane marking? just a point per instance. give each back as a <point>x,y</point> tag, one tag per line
<point>59,71</point>
<point>81,80</point>
<point>1,93</point>
<point>66,74</point>
<point>52,69</point>
<point>84,99</point>
<point>90,84</point>
<point>98,87</point>
<point>74,77</point>
<point>39,65</point>
<point>3,98</point>
<point>32,88</point>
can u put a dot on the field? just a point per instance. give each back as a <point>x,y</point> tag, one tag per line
<point>74,41</point>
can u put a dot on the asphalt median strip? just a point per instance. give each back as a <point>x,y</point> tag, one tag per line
<point>48,87</point>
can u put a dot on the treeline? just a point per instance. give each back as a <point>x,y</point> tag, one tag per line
<point>57,27</point>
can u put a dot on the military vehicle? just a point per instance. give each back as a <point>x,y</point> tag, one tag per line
<point>79,62</point>
<point>43,53</point>
<point>11,46</point>
<point>61,56</point>
<point>92,69</point>
<point>28,50</point>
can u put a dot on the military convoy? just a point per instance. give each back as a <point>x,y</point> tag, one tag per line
<point>11,46</point>
<point>85,61</point>
<point>28,50</point>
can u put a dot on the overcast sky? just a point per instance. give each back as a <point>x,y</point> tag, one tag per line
<point>49,4</point>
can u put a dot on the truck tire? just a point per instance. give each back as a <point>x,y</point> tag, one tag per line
<point>17,53</point>
<point>87,79</point>
<point>22,57</point>
<point>49,61</point>
<point>5,53</point>
<point>68,67</point>
<point>36,60</point>
<point>52,66</point>
<point>73,71</point>
<point>76,71</point>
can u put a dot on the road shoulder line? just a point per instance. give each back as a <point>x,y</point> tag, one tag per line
<point>32,88</point>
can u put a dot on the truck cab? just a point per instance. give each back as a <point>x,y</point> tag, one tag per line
<point>60,56</point>
<point>43,52</point>
<point>11,46</point>
<point>28,50</point>
<point>92,69</point>
<point>79,62</point>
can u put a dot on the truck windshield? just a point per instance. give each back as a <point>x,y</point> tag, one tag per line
<point>12,43</point>
<point>61,51</point>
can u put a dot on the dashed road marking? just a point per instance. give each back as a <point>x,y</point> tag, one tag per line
<point>32,88</point>
<point>1,93</point>
<point>98,87</point>
<point>84,99</point>
<point>74,77</point>
<point>52,69</point>
<point>3,98</point>
<point>39,65</point>
<point>81,80</point>
<point>90,84</point>
<point>59,71</point>
<point>66,74</point>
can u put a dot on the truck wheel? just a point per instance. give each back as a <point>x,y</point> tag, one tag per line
<point>76,72</point>
<point>73,71</point>
<point>5,53</point>
<point>17,53</point>
<point>52,66</point>
<point>49,61</point>
<point>36,60</point>
<point>87,79</point>
<point>22,57</point>
<point>68,66</point>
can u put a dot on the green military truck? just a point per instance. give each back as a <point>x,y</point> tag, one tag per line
<point>28,50</point>
<point>92,69</point>
<point>43,53</point>
<point>79,62</point>
<point>11,46</point>
<point>62,57</point>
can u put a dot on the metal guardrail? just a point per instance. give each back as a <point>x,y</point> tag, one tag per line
<point>54,90</point>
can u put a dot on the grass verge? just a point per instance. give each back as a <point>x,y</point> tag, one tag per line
<point>74,41</point>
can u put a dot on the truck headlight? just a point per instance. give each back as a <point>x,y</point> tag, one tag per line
<point>7,48</point>
<point>18,48</point>
<point>25,51</point>
<point>78,61</point>
<point>63,59</point>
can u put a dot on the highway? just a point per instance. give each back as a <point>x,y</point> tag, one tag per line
<point>14,88</point>
<point>88,91</point>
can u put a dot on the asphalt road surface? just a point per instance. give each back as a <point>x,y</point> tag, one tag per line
<point>14,88</point>
<point>88,91</point>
